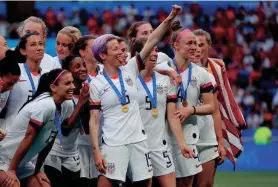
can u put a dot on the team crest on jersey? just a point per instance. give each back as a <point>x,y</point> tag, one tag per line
<point>159,89</point>
<point>193,82</point>
<point>54,158</point>
<point>129,81</point>
<point>110,168</point>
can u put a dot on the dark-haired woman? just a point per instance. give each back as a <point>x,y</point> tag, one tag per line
<point>9,76</point>
<point>62,165</point>
<point>142,29</point>
<point>88,174</point>
<point>195,81</point>
<point>32,47</point>
<point>34,129</point>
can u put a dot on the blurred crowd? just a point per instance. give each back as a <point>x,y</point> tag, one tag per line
<point>247,40</point>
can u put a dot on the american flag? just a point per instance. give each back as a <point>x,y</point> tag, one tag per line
<point>232,118</point>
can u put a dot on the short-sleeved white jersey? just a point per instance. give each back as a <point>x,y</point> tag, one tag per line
<point>69,142</point>
<point>49,63</point>
<point>155,126</point>
<point>206,123</point>
<point>84,138</point>
<point>20,94</point>
<point>3,100</point>
<point>200,83</point>
<point>39,113</point>
<point>119,128</point>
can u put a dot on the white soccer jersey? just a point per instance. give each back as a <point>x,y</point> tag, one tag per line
<point>155,126</point>
<point>39,113</point>
<point>49,63</point>
<point>69,142</point>
<point>20,94</point>
<point>3,99</point>
<point>206,123</point>
<point>119,128</point>
<point>84,139</point>
<point>200,83</point>
<point>161,58</point>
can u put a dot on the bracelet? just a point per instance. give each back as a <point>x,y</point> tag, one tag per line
<point>194,110</point>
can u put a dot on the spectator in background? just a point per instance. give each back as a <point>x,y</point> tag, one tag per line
<point>275,118</point>
<point>267,118</point>
<point>4,25</point>
<point>254,119</point>
<point>51,21</point>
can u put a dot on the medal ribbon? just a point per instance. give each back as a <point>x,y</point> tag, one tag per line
<point>153,97</point>
<point>184,91</point>
<point>30,78</point>
<point>122,95</point>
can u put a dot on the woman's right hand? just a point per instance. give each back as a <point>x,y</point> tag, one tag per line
<point>100,163</point>
<point>186,151</point>
<point>10,179</point>
<point>176,10</point>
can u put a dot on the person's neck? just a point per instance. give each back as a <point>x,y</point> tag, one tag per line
<point>57,100</point>
<point>91,67</point>
<point>146,74</point>
<point>33,66</point>
<point>182,63</point>
<point>204,61</point>
<point>110,70</point>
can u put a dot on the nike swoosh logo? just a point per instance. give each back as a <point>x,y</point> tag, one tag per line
<point>215,150</point>
<point>150,170</point>
<point>169,165</point>
<point>197,165</point>
<point>22,80</point>
<point>106,89</point>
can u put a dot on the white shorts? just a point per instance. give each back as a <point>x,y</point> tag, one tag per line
<point>88,169</point>
<point>71,163</point>
<point>186,167</point>
<point>134,158</point>
<point>22,172</point>
<point>162,163</point>
<point>207,153</point>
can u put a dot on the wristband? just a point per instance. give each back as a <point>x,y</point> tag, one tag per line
<point>194,110</point>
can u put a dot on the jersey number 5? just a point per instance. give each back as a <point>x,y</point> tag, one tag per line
<point>149,102</point>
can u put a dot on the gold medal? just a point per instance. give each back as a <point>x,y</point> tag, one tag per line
<point>124,108</point>
<point>154,112</point>
<point>184,103</point>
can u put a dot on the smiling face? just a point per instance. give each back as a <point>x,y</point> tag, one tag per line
<point>64,87</point>
<point>77,67</point>
<point>113,54</point>
<point>124,50</point>
<point>63,45</point>
<point>150,62</point>
<point>7,82</point>
<point>143,31</point>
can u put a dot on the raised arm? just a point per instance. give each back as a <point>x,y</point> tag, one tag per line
<point>158,33</point>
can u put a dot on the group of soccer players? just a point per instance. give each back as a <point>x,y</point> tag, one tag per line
<point>96,114</point>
